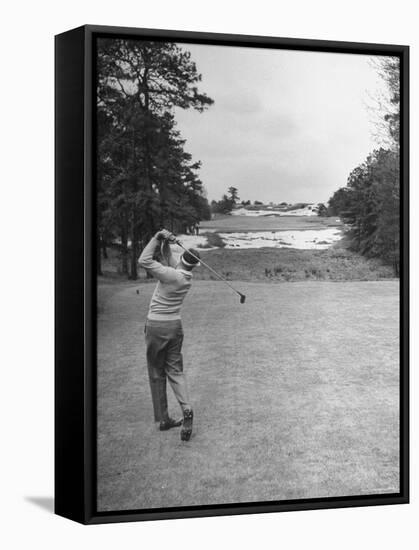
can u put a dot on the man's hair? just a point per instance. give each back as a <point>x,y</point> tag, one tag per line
<point>190,260</point>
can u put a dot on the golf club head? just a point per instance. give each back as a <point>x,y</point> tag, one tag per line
<point>242,298</point>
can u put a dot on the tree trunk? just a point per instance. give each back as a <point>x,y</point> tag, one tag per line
<point>134,271</point>
<point>134,248</point>
<point>124,246</point>
<point>98,256</point>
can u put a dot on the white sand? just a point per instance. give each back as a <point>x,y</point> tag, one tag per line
<point>309,210</point>
<point>318,239</point>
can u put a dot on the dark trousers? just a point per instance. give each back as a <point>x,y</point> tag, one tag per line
<point>164,361</point>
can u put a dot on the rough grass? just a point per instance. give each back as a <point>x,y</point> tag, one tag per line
<point>295,396</point>
<point>337,263</point>
<point>287,265</point>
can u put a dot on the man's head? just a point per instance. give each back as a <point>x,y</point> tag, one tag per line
<point>189,259</point>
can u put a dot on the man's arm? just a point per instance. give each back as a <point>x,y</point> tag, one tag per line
<point>167,254</point>
<point>158,270</point>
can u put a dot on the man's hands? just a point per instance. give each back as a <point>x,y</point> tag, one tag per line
<point>165,235</point>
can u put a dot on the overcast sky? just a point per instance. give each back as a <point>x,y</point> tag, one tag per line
<point>285,125</point>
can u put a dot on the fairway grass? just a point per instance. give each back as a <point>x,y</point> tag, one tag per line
<point>232,224</point>
<point>295,395</point>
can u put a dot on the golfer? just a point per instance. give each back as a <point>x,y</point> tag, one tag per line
<point>163,329</point>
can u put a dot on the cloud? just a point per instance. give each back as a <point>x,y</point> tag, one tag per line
<point>285,125</point>
<point>244,104</point>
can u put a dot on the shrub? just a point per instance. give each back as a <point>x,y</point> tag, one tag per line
<point>213,239</point>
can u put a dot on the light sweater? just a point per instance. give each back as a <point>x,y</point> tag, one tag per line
<point>172,287</point>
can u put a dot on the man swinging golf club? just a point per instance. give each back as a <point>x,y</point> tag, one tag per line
<point>163,330</point>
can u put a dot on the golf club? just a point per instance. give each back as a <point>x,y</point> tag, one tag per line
<point>242,296</point>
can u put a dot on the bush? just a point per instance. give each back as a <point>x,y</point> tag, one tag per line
<point>213,240</point>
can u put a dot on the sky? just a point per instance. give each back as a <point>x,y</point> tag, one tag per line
<point>285,125</point>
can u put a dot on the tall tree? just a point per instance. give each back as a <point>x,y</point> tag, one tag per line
<point>139,85</point>
<point>234,195</point>
<point>386,106</point>
<point>370,206</point>
<point>370,203</point>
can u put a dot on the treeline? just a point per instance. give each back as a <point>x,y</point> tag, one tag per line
<point>145,178</point>
<point>370,202</point>
<point>227,202</point>
<point>230,200</point>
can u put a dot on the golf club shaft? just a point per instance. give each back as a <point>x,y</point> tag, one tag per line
<point>210,268</point>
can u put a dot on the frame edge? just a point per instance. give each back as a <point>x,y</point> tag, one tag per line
<point>69,479</point>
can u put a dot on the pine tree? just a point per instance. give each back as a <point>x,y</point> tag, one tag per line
<point>142,165</point>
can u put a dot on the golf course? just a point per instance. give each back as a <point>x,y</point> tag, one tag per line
<point>295,392</point>
<point>282,173</point>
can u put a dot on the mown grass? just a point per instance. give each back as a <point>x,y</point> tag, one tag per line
<point>229,224</point>
<point>295,396</point>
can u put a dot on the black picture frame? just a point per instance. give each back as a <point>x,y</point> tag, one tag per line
<point>75,279</point>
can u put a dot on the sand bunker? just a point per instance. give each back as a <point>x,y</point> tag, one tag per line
<point>318,239</point>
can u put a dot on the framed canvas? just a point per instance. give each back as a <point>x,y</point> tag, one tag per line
<point>231,274</point>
